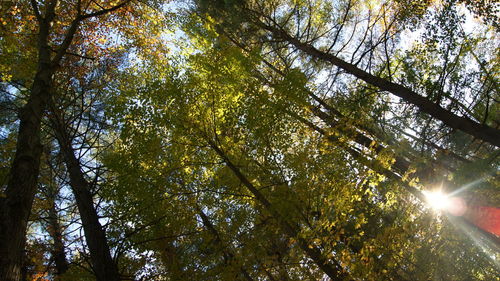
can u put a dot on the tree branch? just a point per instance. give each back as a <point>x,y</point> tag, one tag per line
<point>34,5</point>
<point>104,11</point>
<point>74,27</point>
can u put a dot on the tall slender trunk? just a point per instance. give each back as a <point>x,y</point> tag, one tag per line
<point>58,253</point>
<point>467,125</point>
<point>379,168</point>
<point>54,227</point>
<point>380,136</point>
<point>103,264</point>
<point>15,207</point>
<point>227,253</point>
<point>334,115</point>
<point>334,271</point>
<point>55,231</point>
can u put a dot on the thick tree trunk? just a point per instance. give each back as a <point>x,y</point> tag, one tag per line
<point>334,271</point>
<point>103,264</point>
<point>15,207</point>
<point>477,130</point>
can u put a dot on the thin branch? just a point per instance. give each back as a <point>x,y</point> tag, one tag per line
<point>104,11</point>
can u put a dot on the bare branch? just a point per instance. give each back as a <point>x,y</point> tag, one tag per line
<point>104,11</point>
<point>68,38</point>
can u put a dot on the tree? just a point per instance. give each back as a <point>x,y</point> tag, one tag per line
<point>103,264</point>
<point>223,105</point>
<point>259,140</point>
<point>21,187</point>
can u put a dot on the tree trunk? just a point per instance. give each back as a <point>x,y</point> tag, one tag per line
<point>334,271</point>
<point>477,130</point>
<point>103,265</point>
<point>227,253</point>
<point>54,227</point>
<point>58,254</point>
<point>15,207</point>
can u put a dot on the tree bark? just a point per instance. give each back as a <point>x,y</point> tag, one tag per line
<point>334,271</point>
<point>54,227</point>
<point>471,127</point>
<point>103,264</point>
<point>15,207</point>
<point>58,254</point>
<point>380,169</point>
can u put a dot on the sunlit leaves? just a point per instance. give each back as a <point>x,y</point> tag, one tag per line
<point>167,97</point>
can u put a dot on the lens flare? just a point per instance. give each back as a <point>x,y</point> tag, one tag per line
<point>437,200</point>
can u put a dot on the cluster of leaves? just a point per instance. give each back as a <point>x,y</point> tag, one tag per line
<point>218,163</point>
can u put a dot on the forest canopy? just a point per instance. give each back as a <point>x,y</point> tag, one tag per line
<point>249,140</point>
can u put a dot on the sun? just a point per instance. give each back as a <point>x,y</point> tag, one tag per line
<point>437,200</point>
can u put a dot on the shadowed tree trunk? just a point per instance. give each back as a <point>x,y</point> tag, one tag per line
<point>102,262</point>
<point>334,271</point>
<point>334,116</point>
<point>227,253</point>
<point>471,127</point>
<point>15,206</point>
<point>54,227</point>
<point>58,253</point>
